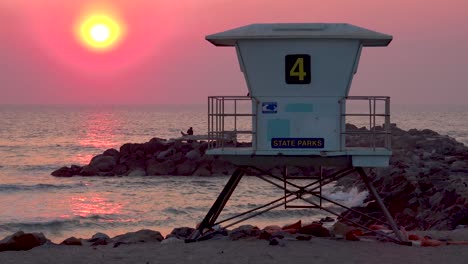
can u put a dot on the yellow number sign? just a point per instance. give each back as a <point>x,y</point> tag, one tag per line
<point>297,69</point>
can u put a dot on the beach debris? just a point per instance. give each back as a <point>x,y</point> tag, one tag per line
<point>141,236</point>
<point>22,241</point>
<point>72,241</point>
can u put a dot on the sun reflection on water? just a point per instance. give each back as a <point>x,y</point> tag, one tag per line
<point>94,205</point>
<point>100,130</point>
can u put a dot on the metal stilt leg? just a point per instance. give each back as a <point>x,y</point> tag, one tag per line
<point>219,204</point>
<point>371,188</point>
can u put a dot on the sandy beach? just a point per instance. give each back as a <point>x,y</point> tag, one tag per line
<point>317,250</point>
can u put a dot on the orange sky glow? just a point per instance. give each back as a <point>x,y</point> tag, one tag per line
<point>159,54</point>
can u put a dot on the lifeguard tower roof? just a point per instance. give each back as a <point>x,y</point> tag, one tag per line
<point>367,37</point>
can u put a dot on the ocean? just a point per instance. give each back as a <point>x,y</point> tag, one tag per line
<point>35,140</point>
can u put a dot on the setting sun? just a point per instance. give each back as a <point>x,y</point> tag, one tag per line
<point>100,32</point>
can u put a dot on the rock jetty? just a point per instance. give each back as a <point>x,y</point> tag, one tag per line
<point>153,158</point>
<point>425,186</point>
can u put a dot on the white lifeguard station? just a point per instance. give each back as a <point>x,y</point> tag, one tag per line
<point>298,78</point>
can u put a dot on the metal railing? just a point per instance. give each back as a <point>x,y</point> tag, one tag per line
<point>371,135</point>
<point>220,132</point>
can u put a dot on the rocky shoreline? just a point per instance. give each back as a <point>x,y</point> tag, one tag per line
<point>425,186</point>
<point>274,235</point>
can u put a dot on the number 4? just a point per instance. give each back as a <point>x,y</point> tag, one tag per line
<point>298,72</point>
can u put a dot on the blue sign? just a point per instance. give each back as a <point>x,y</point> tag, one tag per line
<point>298,143</point>
<point>269,107</point>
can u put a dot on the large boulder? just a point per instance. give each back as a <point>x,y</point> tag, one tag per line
<point>120,170</point>
<point>221,167</point>
<point>154,145</point>
<point>193,155</point>
<point>99,239</point>
<point>166,153</point>
<point>203,170</point>
<point>138,172</point>
<point>315,230</point>
<point>63,172</point>
<point>103,163</point>
<point>89,171</point>
<point>112,153</point>
<point>22,241</point>
<point>244,231</point>
<point>164,168</point>
<point>181,232</point>
<point>72,241</point>
<point>187,168</point>
<point>141,236</point>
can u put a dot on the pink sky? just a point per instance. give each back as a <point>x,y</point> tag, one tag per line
<point>165,59</point>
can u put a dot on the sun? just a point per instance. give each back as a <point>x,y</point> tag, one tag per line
<point>100,32</point>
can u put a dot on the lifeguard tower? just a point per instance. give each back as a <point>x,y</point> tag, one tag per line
<point>298,78</point>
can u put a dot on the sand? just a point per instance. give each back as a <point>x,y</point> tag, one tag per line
<point>317,250</point>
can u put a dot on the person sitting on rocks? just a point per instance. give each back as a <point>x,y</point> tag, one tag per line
<point>189,132</point>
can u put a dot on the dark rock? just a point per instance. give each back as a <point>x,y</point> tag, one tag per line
<point>22,241</point>
<point>327,220</point>
<point>296,225</point>
<point>181,232</point>
<point>103,163</point>
<point>137,172</point>
<point>244,231</point>
<point>264,235</point>
<point>63,172</point>
<point>304,238</point>
<point>154,145</point>
<point>164,168</point>
<point>276,242</point>
<point>72,241</point>
<point>167,153</point>
<point>220,167</point>
<point>351,236</point>
<point>202,170</point>
<point>120,170</point>
<point>187,168</point>
<point>315,230</point>
<point>89,171</point>
<point>131,148</point>
<point>112,153</point>
<point>99,239</point>
<point>142,236</point>
<point>193,155</point>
